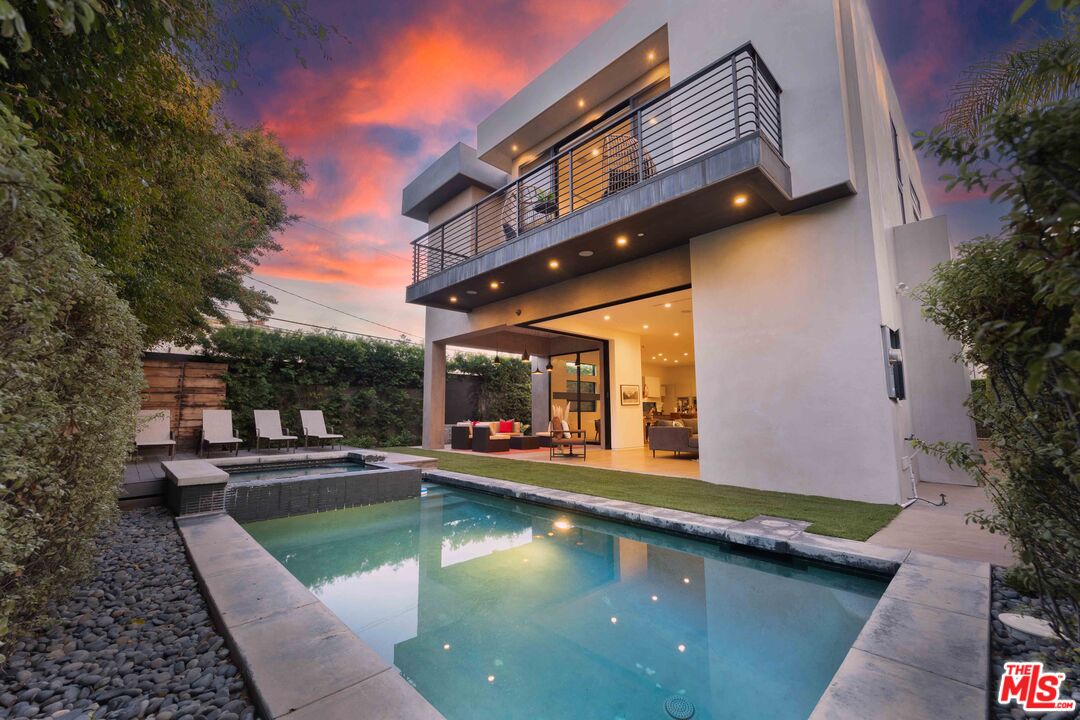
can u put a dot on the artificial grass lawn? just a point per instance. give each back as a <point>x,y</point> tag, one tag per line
<point>839,518</point>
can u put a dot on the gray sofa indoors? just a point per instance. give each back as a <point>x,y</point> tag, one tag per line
<point>665,436</point>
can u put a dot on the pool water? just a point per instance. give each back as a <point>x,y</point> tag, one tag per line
<point>497,609</point>
<point>296,469</point>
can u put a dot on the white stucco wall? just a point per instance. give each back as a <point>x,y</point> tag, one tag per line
<point>790,379</point>
<point>937,386</point>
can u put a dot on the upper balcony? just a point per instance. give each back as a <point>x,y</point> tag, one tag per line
<point>706,153</point>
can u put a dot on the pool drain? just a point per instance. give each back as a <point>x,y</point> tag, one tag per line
<point>679,708</point>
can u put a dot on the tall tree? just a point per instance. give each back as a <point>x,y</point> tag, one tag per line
<point>1013,303</point>
<point>174,203</point>
<point>1019,79</point>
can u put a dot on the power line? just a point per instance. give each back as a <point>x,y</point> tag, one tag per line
<point>343,312</point>
<point>323,327</point>
<point>346,237</point>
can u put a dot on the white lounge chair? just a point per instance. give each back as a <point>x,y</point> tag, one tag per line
<point>268,428</point>
<point>217,429</point>
<point>314,426</point>
<point>154,429</point>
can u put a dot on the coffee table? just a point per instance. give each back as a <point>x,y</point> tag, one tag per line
<point>524,442</point>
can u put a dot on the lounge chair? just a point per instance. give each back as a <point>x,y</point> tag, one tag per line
<point>314,426</point>
<point>154,429</point>
<point>565,440</point>
<point>217,429</point>
<point>268,428</point>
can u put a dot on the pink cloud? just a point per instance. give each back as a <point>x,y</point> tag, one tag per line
<point>428,81</point>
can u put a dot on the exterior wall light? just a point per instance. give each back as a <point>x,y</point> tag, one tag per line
<point>740,200</point>
<point>621,241</point>
<point>453,298</point>
<point>553,264</point>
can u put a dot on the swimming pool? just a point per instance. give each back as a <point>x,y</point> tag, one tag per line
<point>497,609</point>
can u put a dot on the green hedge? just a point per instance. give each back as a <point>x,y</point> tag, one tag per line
<point>69,384</point>
<point>369,391</point>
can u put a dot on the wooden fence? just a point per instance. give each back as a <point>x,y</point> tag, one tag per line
<point>185,386</point>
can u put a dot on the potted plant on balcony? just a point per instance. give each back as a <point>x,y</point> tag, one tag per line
<point>544,202</point>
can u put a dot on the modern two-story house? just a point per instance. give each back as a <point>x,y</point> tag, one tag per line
<point>708,207</point>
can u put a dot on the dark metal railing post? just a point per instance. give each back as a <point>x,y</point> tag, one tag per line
<point>779,124</point>
<point>442,248</point>
<point>735,93</point>
<point>639,150</point>
<point>520,208</point>
<point>757,100</point>
<point>570,177</point>
<point>476,230</point>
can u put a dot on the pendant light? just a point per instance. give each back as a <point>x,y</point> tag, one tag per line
<point>549,368</point>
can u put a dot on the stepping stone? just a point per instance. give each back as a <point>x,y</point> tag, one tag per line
<point>1028,625</point>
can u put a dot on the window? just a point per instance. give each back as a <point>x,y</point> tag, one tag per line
<point>581,387</point>
<point>916,206</point>
<point>587,369</point>
<point>899,171</point>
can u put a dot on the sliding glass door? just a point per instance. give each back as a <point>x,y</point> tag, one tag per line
<point>577,392</point>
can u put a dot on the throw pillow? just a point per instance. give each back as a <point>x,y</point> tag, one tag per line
<point>506,426</point>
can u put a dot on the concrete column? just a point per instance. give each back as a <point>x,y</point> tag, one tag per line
<point>434,395</point>
<point>541,401</point>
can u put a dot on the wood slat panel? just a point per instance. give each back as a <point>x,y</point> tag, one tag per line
<point>185,388</point>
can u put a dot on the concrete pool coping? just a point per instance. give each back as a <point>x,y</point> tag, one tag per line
<point>923,652</point>
<point>300,660</point>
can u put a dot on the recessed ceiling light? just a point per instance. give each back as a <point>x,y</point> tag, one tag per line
<point>581,102</point>
<point>652,121</point>
<point>470,292</point>
<point>494,284</point>
<point>676,362</point>
<point>650,56</point>
<point>586,253</point>
<point>607,317</point>
<point>553,264</point>
<point>453,298</point>
<point>621,241</point>
<point>686,354</point>
<point>644,327</point>
<point>641,234</point>
<point>595,151</point>
<point>667,305</point>
<point>513,148</point>
<point>676,334</point>
<point>682,648</point>
<point>740,200</point>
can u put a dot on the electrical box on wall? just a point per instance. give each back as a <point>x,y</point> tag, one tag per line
<point>894,363</point>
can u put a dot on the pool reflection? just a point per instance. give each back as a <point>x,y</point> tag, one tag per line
<point>503,610</point>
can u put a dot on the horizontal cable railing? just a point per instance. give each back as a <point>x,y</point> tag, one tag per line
<point>730,99</point>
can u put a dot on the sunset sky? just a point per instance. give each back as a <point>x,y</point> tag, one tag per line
<point>406,80</point>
